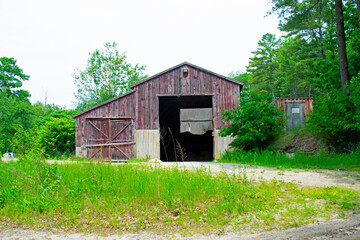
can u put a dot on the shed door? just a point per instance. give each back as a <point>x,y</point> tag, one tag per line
<point>296,113</point>
<point>110,139</point>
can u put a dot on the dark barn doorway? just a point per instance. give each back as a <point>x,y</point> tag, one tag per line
<point>184,134</point>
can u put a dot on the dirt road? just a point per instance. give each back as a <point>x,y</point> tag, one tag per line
<point>319,178</point>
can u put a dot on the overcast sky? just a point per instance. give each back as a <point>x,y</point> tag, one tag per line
<point>49,39</point>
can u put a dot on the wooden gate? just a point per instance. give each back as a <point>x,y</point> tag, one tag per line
<point>110,139</point>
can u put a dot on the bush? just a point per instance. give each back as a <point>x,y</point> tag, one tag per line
<point>57,136</point>
<point>336,118</point>
<point>254,123</point>
<point>25,142</point>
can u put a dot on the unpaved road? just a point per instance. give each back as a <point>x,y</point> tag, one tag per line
<point>348,229</point>
<point>345,229</point>
<point>319,178</point>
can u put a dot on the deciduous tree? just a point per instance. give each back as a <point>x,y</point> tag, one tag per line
<point>107,75</point>
<point>11,78</point>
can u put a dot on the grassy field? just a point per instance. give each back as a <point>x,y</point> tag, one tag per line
<point>98,197</point>
<point>299,161</point>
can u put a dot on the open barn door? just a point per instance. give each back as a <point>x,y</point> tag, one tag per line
<point>186,128</point>
<point>110,138</point>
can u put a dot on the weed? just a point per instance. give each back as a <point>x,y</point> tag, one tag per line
<point>98,197</point>
<point>296,161</point>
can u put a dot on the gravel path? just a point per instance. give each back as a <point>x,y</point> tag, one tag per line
<point>319,178</point>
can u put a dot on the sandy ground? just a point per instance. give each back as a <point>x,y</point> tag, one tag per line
<point>346,229</point>
<point>336,229</point>
<point>318,178</point>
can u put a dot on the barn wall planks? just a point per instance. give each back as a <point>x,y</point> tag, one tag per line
<point>120,107</point>
<point>177,82</point>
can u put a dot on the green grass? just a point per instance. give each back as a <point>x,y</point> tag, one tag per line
<point>299,161</point>
<point>99,197</point>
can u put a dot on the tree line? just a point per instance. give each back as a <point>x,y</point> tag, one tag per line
<point>317,56</point>
<point>44,130</point>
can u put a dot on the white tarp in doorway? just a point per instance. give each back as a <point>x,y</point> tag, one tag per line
<point>196,120</point>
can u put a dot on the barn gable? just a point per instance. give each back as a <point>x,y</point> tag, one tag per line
<point>152,108</point>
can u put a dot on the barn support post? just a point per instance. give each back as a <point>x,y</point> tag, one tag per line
<point>147,143</point>
<point>81,152</point>
<point>221,144</point>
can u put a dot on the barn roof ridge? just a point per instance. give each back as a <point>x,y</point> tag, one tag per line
<point>183,64</point>
<point>104,103</point>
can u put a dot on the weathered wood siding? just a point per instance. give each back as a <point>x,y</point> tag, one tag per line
<point>142,106</point>
<point>123,106</point>
<point>175,82</point>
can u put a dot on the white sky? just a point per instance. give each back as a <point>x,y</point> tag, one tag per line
<point>49,39</point>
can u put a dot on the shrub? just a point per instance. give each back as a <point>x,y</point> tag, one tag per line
<point>254,123</point>
<point>25,142</point>
<point>57,135</point>
<point>336,118</point>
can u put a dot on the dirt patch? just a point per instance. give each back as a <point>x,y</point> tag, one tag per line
<point>345,229</point>
<point>291,142</point>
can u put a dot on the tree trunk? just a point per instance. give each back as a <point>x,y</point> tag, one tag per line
<point>358,8</point>
<point>343,63</point>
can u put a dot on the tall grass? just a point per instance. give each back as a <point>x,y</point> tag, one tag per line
<point>297,160</point>
<point>99,197</point>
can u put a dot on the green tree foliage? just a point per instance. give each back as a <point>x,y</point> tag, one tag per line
<point>25,142</point>
<point>296,60</point>
<point>262,65</point>
<point>15,107</point>
<point>240,76</point>
<point>52,134</point>
<point>107,75</point>
<point>337,118</point>
<point>11,78</point>
<point>305,18</point>
<point>305,63</point>
<point>254,123</point>
<point>15,113</point>
<point>31,129</point>
<point>57,136</point>
<point>46,113</point>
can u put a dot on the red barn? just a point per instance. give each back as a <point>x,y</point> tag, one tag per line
<point>173,115</point>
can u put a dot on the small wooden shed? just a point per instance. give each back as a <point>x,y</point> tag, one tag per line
<point>296,109</point>
<point>173,112</point>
